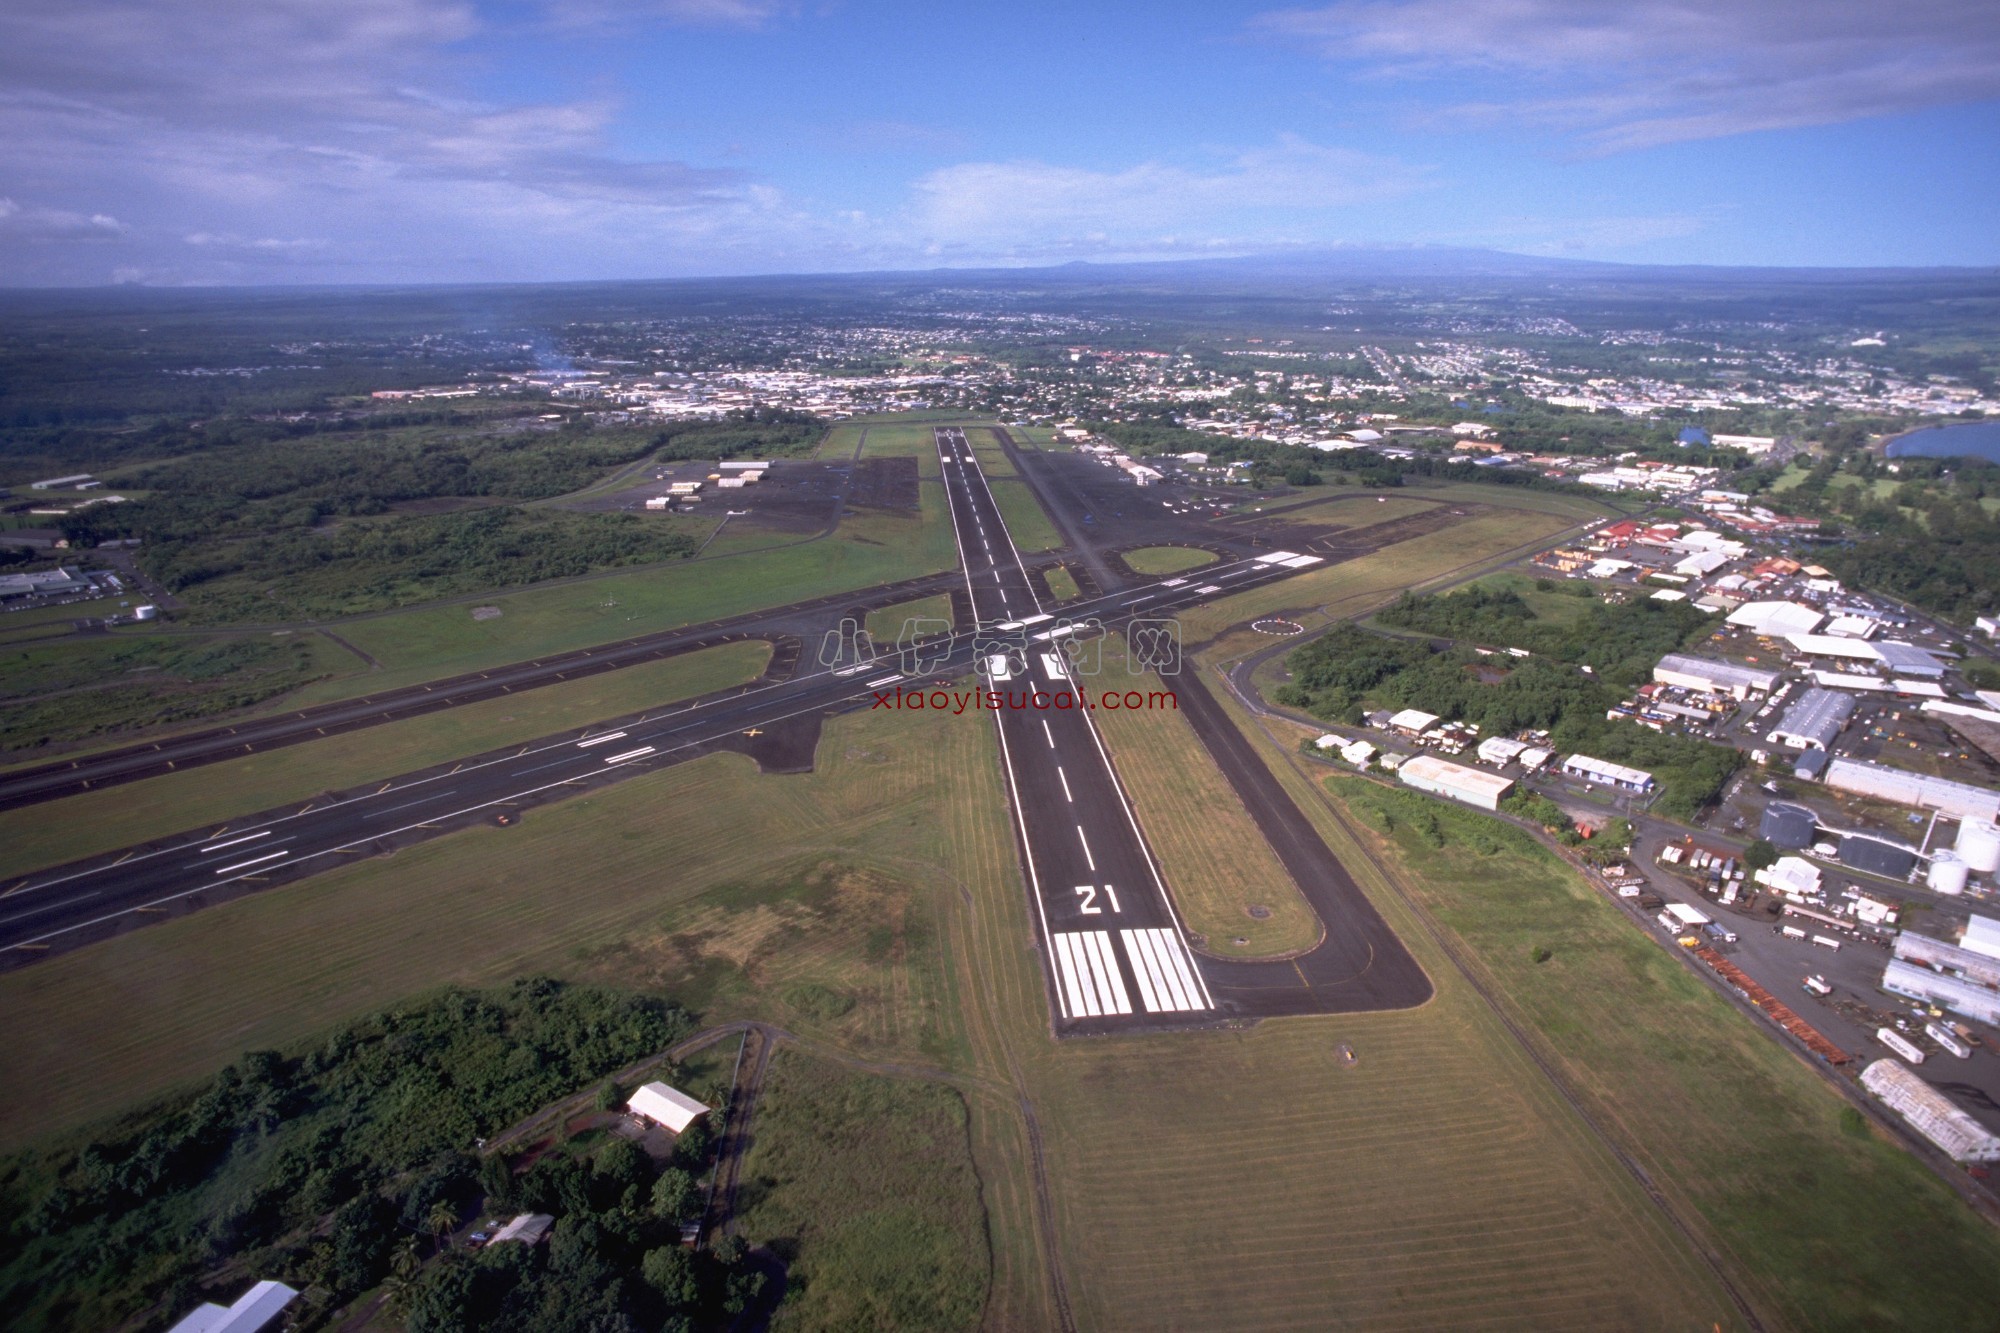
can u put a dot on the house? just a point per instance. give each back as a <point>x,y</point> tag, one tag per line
<point>528,1229</point>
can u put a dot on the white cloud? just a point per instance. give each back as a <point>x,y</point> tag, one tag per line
<point>1271,194</point>
<point>55,224</point>
<point>1646,72</point>
<point>344,122</point>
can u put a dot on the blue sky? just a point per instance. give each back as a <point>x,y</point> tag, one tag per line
<point>209,141</point>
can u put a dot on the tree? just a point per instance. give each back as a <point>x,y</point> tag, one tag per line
<point>442,1220</point>
<point>673,1192</point>
<point>1760,854</point>
<point>670,1271</point>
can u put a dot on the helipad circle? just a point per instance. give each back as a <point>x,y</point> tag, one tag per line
<point>1283,629</point>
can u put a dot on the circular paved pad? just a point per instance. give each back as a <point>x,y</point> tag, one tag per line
<point>1284,629</point>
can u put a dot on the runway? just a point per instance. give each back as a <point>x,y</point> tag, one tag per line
<point>1116,955</point>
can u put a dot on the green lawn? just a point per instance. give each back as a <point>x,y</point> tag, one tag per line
<point>1062,583</point>
<point>885,626</point>
<point>1163,560</point>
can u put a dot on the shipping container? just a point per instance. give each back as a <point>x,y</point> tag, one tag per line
<point>1792,932</point>
<point>1948,1039</point>
<point>1900,1045</point>
<point>1827,942</point>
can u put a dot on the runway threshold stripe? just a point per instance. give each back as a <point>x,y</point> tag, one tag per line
<point>1104,966</point>
<point>1145,974</point>
<point>1139,946</point>
<point>1080,1004</point>
<point>1169,944</point>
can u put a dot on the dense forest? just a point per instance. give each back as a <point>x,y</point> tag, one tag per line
<point>1348,669</point>
<point>1618,641</point>
<point>335,1165</point>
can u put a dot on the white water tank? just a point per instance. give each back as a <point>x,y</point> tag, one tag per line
<point>1979,845</point>
<point>1947,874</point>
<point>145,613</point>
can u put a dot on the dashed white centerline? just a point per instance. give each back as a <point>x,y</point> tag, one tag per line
<point>1065,785</point>
<point>235,842</point>
<point>255,860</point>
<point>1088,859</point>
<point>1049,734</point>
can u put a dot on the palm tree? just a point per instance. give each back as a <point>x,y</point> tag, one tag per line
<point>406,1265</point>
<point>443,1221</point>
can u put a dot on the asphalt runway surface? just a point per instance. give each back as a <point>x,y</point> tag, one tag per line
<point>1116,954</point>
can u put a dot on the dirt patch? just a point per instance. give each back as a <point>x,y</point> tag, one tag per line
<point>486,613</point>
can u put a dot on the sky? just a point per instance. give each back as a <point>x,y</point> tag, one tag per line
<point>400,141</point>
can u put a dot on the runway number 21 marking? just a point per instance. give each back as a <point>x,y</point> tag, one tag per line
<point>1088,892</point>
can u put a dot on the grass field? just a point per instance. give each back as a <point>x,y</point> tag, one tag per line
<point>1215,860</point>
<point>1167,559</point>
<point>1062,583</point>
<point>1722,1117</point>
<point>103,689</point>
<point>1575,508</point>
<point>77,826</point>
<point>1352,511</point>
<point>885,625</point>
<point>867,1184</point>
<point>1026,522</point>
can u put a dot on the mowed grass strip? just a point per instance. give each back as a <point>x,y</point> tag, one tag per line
<point>35,836</point>
<point>1332,592</point>
<point>1027,523</point>
<point>1167,559</point>
<point>1062,583</point>
<point>885,625</point>
<point>1216,862</point>
<point>1831,1224</point>
<point>1252,1180</point>
<point>1350,511</point>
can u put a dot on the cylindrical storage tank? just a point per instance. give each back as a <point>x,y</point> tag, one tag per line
<point>145,613</point>
<point>1947,874</point>
<point>1979,845</point>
